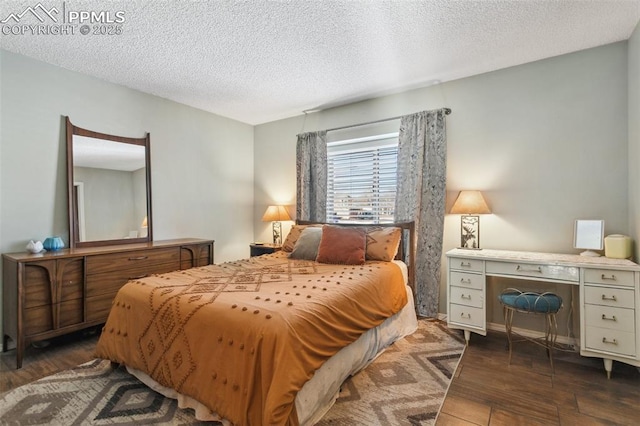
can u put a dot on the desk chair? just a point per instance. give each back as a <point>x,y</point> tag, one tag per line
<point>514,300</point>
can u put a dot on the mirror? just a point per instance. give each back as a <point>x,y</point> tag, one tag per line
<point>109,188</point>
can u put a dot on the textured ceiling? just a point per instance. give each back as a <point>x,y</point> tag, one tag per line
<point>259,61</point>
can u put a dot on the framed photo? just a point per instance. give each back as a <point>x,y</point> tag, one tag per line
<point>470,232</point>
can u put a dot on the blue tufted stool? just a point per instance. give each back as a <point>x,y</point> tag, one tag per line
<point>549,304</point>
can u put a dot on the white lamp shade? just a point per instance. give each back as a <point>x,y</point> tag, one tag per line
<point>470,202</point>
<point>275,214</point>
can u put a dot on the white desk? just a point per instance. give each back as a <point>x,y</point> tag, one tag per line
<point>609,295</point>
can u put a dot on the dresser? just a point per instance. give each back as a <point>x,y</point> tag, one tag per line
<point>609,295</point>
<point>53,293</point>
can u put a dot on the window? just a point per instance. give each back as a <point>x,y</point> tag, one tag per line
<point>362,179</point>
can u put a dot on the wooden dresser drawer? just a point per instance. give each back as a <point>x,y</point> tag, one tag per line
<point>98,307</point>
<point>541,271</point>
<point>37,283</point>
<point>612,318</point>
<point>462,279</point>
<point>609,277</point>
<point>614,341</point>
<point>40,319</point>
<point>132,259</point>
<point>609,296</point>
<point>467,296</point>
<point>110,282</point>
<point>466,315</point>
<point>460,264</point>
<point>39,279</point>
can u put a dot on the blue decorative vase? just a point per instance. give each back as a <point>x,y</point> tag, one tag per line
<point>53,244</point>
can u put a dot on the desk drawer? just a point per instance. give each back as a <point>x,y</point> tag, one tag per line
<point>609,277</point>
<point>467,296</point>
<point>460,264</point>
<point>466,315</point>
<point>609,296</point>
<point>461,279</point>
<point>611,318</point>
<point>541,271</point>
<point>614,341</point>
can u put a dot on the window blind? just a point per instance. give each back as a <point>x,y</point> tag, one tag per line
<point>362,180</point>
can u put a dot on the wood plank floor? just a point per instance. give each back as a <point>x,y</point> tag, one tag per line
<point>61,354</point>
<point>486,391</point>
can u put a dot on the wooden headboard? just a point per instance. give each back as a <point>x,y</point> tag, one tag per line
<point>406,250</point>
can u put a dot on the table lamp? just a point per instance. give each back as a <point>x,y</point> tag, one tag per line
<point>470,204</point>
<point>276,214</point>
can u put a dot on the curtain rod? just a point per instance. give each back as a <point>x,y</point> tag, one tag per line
<point>447,111</point>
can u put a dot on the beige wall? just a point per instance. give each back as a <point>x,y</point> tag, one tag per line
<point>546,142</point>
<point>634,139</point>
<point>201,163</point>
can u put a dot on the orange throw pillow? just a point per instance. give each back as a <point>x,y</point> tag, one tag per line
<point>342,245</point>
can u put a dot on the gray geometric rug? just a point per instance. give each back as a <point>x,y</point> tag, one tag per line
<point>404,386</point>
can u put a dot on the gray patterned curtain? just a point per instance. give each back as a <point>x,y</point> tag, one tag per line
<point>311,174</point>
<point>422,166</point>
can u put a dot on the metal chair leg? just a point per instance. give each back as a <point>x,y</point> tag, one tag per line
<point>508,320</point>
<point>553,325</point>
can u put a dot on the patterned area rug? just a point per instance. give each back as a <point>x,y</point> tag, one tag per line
<point>404,386</point>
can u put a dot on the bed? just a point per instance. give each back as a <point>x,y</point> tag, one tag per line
<point>267,340</point>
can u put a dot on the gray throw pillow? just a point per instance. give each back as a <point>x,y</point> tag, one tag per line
<point>306,248</point>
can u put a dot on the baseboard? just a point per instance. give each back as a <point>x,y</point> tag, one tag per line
<point>572,342</point>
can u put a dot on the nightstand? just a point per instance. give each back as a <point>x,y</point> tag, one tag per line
<point>260,249</point>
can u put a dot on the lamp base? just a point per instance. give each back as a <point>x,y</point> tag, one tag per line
<point>589,253</point>
<point>470,232</point>
<point>277,233</point>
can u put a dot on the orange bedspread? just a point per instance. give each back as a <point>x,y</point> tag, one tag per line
<point>243,337</point>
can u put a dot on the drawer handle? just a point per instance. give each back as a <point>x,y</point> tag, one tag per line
<point>465,264</point>
<point>611,278</point>
<point>613,318</point>
<point>465,296</point>
<point>463,315</point>
<point>521,269</point>
<point>610,342</point>
<point>139,258</point>
<point>467,281</point>
<point>613,298</point>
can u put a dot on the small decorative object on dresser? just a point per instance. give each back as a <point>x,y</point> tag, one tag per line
<point>258,249</point>
<point>53,244</point>
<point>34,247</point>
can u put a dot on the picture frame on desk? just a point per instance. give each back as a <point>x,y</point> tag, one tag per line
<point>470,232</point>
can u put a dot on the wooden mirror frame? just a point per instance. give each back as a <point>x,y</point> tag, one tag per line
<point>74,238</point>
